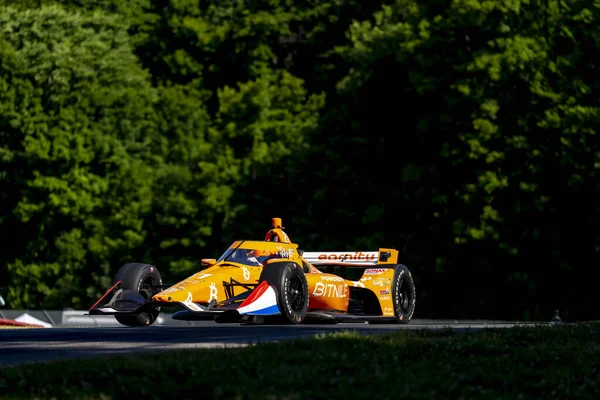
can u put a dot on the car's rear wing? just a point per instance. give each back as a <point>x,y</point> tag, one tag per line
<point>352,258</point>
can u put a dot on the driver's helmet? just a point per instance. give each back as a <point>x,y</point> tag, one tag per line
<point>261,256</point>
<point>259,253</point>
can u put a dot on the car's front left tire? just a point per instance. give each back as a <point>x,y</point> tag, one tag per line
<point>291,287</point>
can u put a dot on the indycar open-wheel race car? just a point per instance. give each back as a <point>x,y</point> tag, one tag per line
<point>268,281</point>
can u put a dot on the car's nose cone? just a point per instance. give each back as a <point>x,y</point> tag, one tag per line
<point>172,296</point>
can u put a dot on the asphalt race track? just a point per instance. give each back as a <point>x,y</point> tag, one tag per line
<point>18,346</point>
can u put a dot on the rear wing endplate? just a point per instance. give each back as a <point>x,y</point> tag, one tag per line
<point>352,258</point>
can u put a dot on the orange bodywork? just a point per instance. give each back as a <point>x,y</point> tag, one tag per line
<point>259,281</point>
<point>379,280</point>
<point>207,284</point>
<point>211,283</point>
<point>326,291</point>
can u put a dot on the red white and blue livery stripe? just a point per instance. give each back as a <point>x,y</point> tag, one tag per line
<point>262,301</point>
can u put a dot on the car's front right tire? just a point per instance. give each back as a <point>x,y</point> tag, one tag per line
<point>144,279</point>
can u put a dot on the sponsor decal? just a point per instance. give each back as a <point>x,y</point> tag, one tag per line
<point>172,289</point>
<point>271,233</point>
<point>382,281</point>
<point>330,290</point>
<point>213,292</point>
<point>384,291</point>
<point>286,299</point>
<point>195,279</point>
<point>356,256</point>
<point>285,253</point>
<point>286,238</point>
<point>388,310</point>
<point>384,298</point>
<point>246,272</point>
<point>332,278</point>
<point>190,303</point>
<point>396,297</point>
<point>375,271</point>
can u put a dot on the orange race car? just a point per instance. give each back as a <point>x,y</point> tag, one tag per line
<point>269,281</point>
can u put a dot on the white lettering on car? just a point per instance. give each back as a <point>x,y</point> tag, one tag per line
<point>382,281</point>
<point>213,292</point>
<point>286,253</point>
<point>332,278</point>
<point>330,290</point>
<point>246,273</point>
<point>375,271</point>
<point>357,255</point>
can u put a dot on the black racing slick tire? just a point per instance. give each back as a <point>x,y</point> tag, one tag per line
<point>291,288</point>
<point>144,279</point>
<point>405,296</point>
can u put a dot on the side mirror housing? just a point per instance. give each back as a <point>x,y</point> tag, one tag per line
<point>208,262</point>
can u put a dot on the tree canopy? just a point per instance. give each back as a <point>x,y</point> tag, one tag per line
<point>461,132</point>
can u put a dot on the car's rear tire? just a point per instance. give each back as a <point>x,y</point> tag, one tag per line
<point>291,288</point>
<point>144,279</point>
<point>405,296</point>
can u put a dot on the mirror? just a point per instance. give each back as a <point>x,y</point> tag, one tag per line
<point>208,262</point>
<point>384,255</point>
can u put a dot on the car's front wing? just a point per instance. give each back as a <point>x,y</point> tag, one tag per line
<point>117,301</point>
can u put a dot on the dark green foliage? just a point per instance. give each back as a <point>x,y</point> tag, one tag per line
<point>492,119</point>
<point>462,133</point>
<point>77,139</point>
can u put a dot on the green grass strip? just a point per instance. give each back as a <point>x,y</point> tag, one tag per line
<point>546,362</point>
